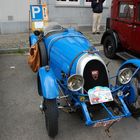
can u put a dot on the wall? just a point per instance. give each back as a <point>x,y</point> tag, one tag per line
<point>14,14</point>
<point>74,15</point>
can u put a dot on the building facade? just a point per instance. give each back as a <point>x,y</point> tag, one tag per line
<point>74,12</point>
<point>14,14</point>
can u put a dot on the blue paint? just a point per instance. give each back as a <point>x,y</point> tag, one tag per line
<point>36,12</point>
<point>135,62</point>
<point>131,98</point>
<point>33,39</point>
<point>48,83</point>
<point>62,49</point>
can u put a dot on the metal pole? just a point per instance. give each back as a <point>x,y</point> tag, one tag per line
<point>29,17</point>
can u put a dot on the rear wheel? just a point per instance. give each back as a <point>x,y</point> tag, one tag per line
<point>109,47</point>
<point>43,54</point>
<point>51,117</point>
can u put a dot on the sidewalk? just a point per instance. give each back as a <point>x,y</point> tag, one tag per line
<point>19,41</point>
<point>13,41</point>
<point>94,39</point>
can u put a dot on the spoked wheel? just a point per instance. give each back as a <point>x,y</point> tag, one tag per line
<point>51,116</point>
<point>109,47</point>
<point>135,107</point>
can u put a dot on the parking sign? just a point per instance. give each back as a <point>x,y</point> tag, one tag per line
<point>39,16</point>
<point>36,12</point>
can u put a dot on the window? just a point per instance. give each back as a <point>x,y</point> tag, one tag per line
<point>126,11</point>
<point>71,2</point>
<point>105,3</point>
<point>77,2</point>
<point>88,2</point>
<point>139,12</point>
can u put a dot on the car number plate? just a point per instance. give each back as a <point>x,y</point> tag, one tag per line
<point>100,95</point>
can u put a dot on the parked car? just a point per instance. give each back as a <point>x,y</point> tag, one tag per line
<point>71,69</point>
<point>122,28</point>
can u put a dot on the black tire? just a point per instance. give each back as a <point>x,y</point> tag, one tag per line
<point>51,117</point>
<point>109,47</point>
<point>30,41</point>
<point>43,54</point>
<point>135,81</point>
<point>39,85</point>
<point>135,107</point>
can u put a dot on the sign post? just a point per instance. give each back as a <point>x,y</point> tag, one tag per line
<point>39,16</point>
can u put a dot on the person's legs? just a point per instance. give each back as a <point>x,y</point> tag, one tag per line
<point>94,25</point>
<point>99,17</point>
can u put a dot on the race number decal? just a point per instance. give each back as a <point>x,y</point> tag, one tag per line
<point>100,95</point>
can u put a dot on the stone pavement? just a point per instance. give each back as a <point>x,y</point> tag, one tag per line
<point>10,41</point>
<point>20,40</point>
<point>94,39</point>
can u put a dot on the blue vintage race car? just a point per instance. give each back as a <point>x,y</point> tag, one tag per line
<point>72,70</point>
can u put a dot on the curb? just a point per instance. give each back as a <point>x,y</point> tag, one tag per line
<point>23,50</point>
<point>13,50</point>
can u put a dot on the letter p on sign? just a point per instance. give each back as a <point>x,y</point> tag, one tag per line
<point>36,12</point>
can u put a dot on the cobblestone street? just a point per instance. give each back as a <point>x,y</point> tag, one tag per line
<point>14,41</point>
<point>94,39</point>
<point>21,40</point>
<point>21,118</point>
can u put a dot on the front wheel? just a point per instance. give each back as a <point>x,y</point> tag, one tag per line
<point>133,98</point>
<point>109,47</point>
<point>51,116</point>
<point>135,107</point>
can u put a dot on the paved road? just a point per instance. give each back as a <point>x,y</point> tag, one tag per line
<point>20,118</point>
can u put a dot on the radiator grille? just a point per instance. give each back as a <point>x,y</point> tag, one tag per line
<point>95,75</point>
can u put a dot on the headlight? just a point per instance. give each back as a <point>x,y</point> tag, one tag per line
<point>75,82</point>
<point>125,75</point>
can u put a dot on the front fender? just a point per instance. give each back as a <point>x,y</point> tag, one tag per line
<point>132,88</point>
<point>131,62</point>
<point>49,86</point>
<point>134,62</point>
<point>32,39</point>
<point>113,34</point>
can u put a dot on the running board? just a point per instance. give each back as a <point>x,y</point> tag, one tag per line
<point>125,55</point>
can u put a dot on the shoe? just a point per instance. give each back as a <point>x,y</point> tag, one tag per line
<point>98,33</point>
<point>93,33</point>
